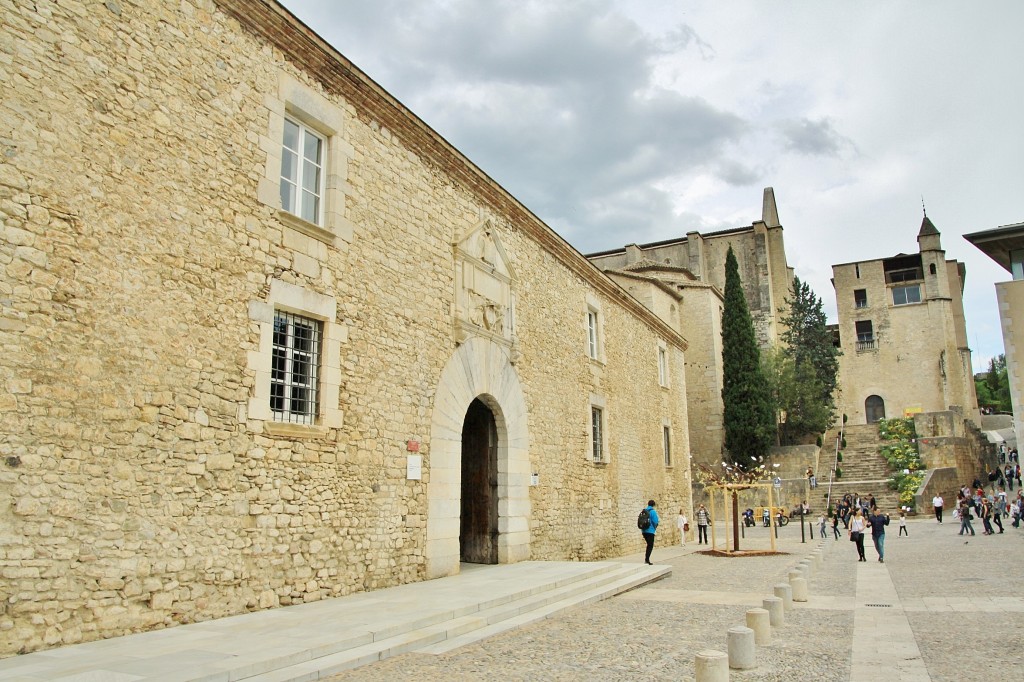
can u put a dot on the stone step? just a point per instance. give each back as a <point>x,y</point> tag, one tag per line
<point>488,620</point>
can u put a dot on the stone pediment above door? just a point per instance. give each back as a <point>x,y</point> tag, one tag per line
<point>484,288</point>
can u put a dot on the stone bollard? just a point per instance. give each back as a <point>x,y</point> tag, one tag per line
<point>817,558</point>
<point>794,574</point>
<point>805,568</point>
<point>785,593</point>
<point>742,654</point>
<point>759,621</point>
<point>799,586</point>
<point>776,615</point>
<point>711,666</point>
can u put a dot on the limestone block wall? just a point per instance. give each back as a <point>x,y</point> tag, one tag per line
<point>1010,296</point>
<point>915,363</point>
<point>143,483</point>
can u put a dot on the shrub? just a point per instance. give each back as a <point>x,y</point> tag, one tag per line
<point>903,457</point>
<point>839,472</point>
<point>839,457</point>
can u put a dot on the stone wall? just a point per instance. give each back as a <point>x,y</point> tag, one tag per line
<point>947,440</point>
<point>143,482</point>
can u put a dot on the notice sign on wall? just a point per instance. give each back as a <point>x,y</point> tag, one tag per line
<point>414,467</point>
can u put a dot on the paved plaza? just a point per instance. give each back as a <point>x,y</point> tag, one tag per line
<point>941,607</point>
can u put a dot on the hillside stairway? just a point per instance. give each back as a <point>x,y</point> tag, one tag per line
<point>865,470</point>
<point>313,641</point>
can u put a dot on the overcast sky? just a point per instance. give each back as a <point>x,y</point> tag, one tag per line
<point>629,121</point>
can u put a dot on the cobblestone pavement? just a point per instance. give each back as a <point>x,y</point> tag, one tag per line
<point>963,598</point>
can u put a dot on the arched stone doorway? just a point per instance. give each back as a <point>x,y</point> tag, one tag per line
<point>478,522</point>
<point>479,371</point>
<point>874,409</point>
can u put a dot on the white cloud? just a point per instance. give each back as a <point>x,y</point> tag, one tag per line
<point>619,122</point>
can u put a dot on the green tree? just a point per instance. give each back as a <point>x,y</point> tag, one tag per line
<point>808,342</point>
<point>994,388</point>
<point>749,415</point>
<point>796,394</point>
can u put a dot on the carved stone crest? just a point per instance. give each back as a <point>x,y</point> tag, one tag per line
<point>484,297</point>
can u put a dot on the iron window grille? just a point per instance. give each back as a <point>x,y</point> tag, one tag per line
<point>302,172</point>
<point>597,433</point>
<point>295,368</point>
<point>667,441</point>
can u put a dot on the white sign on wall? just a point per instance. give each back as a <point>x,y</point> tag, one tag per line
<point>414,467</point>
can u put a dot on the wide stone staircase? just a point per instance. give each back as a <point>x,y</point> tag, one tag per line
<point>316,640</point>
<point>865,470</point>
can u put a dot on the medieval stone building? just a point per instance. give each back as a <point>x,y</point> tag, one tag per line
<point>267,338</point>
<point>683,280</point>
<point>903,335</point>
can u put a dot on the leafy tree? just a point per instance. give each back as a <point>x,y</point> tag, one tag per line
<point>810,403</point>
<point>749,415</point>
<point>796,394</point>
<point>994,388</point>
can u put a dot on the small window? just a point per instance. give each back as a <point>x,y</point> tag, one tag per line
<point>860,298</point>
<point>864,331</point>
<point>662,367</point>
<point>856,269</point>
<point>302,172</point>
<point>295,368</point>
<point>592,330</point>
<point>667,443</point>
<point>931,268</point>
<point>906,295</point>
<point>597,433</point>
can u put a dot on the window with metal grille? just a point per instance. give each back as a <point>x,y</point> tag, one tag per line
<point>302,172</point>
<point>667,442</point>
<point>295,368</point>
<point>597,433</point>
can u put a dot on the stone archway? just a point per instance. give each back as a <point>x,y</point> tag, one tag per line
<point>479,369</point>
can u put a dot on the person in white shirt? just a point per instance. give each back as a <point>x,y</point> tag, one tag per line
<point>937,503</point>
<point>683,524</point>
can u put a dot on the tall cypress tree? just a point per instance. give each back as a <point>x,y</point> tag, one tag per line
<point>749,414</point>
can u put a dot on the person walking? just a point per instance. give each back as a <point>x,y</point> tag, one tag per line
<point>878,521</point>
<point>965,517</point>
<point>812,481</point>
<point>903,524</point>
<point>857,532</point>
<point>703,518</point>
<point>986,516</point>
<point>937,504</point>
<point>835,523</point>
<point>650,530</point>
<point>683,524</point>
<point>821,525</point>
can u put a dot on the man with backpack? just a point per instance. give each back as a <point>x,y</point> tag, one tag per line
<point>650,516</point>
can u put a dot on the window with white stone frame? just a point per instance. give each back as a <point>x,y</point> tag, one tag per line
<point>302,172</point>
<point>594,327</point>
<point>597,435</point>
<point>662,365</point>
<point>295,368</point>
<point>666,442</point>
<point>305,176</point>
<point>296,364</point>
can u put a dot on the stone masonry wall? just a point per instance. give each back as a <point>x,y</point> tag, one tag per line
<point>137,491</point>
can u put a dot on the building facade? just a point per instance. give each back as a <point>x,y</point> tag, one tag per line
<point>683,281</point>
<point>903,335</point>
<point>268,338</point>
<point>1005,245</point>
